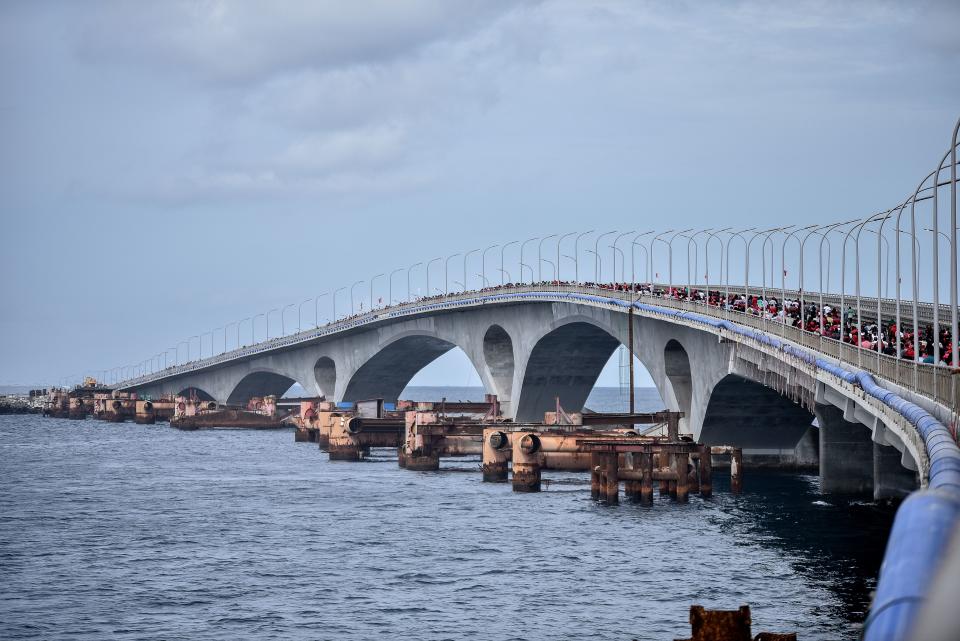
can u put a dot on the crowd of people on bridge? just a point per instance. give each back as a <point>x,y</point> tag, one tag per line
<point>829,321</point>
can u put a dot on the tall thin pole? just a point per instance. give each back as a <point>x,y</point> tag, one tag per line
<point>954,337</point>
<point>630,340</point>
<point>560,240</point>
<point>576,254</point>
<point>503,272</point>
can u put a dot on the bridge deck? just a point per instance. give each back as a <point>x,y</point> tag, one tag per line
<point>936,382</point>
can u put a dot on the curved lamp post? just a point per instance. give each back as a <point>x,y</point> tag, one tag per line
<point>540,256</point>
<point>427,272</point>
<point>446,273</point>
<point>503,272</point>
<point>559,242</point>
<point>334,300</point>
<point>390,286</point>
<point>598,264</point>
<point>372,281</point>
<point>522,263</point>
<point>483,265</point>
<point>633,262</point>
<point>576,254</point>
<point>409,269</point>
<point>465,257</point>
<point>353,309</point>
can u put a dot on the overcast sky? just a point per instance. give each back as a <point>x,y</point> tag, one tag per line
<point>170,167</point>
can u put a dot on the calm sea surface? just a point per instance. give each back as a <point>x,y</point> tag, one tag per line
<point>146,532</point>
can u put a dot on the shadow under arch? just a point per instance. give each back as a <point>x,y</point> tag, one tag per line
<point>386,373</point>
<point>195,392</point>
<point>564,363</point>
<point>261,383</point>
<point>676,367</point>
<point>498,356</point>
<point>325,374</point>
<point>744,413</point>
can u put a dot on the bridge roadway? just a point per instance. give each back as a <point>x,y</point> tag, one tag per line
<point>532,343</point>
<point>740,380</point>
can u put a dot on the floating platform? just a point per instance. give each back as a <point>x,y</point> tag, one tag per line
<point>227,418</point>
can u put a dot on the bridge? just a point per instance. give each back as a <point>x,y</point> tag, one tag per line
<point>830,377</point>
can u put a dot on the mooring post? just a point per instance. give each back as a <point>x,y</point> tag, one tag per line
<point>683,475</point>
<point>595,475</point>
<point>736,470</point>
<point>526,463</point>
<point>646,484</point>
<point>496,453</point>
<point>706,471</point>
<point>611,484</point>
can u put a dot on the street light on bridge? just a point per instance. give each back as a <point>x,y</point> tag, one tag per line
<point>576,254</point>
<point>408,279</point>
<point>598,263</point>
<point>465,257</point>
<point>560,242</point>
<point>483,264</point>
<point>372,281</point>
<point>523,264</point>
<point>446,273</point>
<point>503,272</point>
<point>316,309</point>
<point>300,315</point>
<point>622,256</point>
<point>540,257</point>
<point>427,272</point>
<point>353,309</point>
<point>633,262</point>
<point>390,285</point>
<point>334,298</point>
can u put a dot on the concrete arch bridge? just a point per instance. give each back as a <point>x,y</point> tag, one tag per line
<point>748,386</point>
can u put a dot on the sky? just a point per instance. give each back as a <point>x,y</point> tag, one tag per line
<point>168,168</point>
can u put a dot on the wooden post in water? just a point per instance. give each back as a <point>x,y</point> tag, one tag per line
<point>706,472</point>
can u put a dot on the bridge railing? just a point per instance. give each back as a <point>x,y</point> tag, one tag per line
<point>938,383</point>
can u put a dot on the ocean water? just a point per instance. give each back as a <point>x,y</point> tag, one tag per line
<point>146,532</point>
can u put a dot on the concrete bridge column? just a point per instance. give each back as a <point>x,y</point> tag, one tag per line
<point>890,479</point>
<point>846,453</point>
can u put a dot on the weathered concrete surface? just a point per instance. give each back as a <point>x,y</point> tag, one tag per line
<point>846,454</point>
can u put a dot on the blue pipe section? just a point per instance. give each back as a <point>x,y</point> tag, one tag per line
<point>924,522</point>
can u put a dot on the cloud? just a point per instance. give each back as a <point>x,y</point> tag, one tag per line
<point>249,41</point>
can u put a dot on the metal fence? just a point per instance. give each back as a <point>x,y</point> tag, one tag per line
<point>936,382</point>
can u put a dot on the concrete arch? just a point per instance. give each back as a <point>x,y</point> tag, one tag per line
<point>565,362</point>
<point>745,413</point>
<point>676,365</point>
<point>195,392</point>
<point>259,383</point>
<point>325,375</point>
<point>387,372</point>
<point>498,356</point>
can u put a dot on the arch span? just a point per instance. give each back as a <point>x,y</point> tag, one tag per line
<point>744,413</point>
<point>676,367</point>
<point>195,392</point>
<point>386,373</point>
<point>566,363</point>
<point>261,383</point>
<point>325,374</point>
<point>498,356</point>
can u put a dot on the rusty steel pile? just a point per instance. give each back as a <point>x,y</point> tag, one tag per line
<point>605,445</point>
<point>183,412</point>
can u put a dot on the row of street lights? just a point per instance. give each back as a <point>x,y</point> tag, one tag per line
<point>850,230</point>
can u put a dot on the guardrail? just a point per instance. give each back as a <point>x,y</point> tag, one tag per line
<point>936,382</point>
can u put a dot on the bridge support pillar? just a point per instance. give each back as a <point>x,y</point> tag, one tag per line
<point>846,453</point>
<point>890,479</point>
